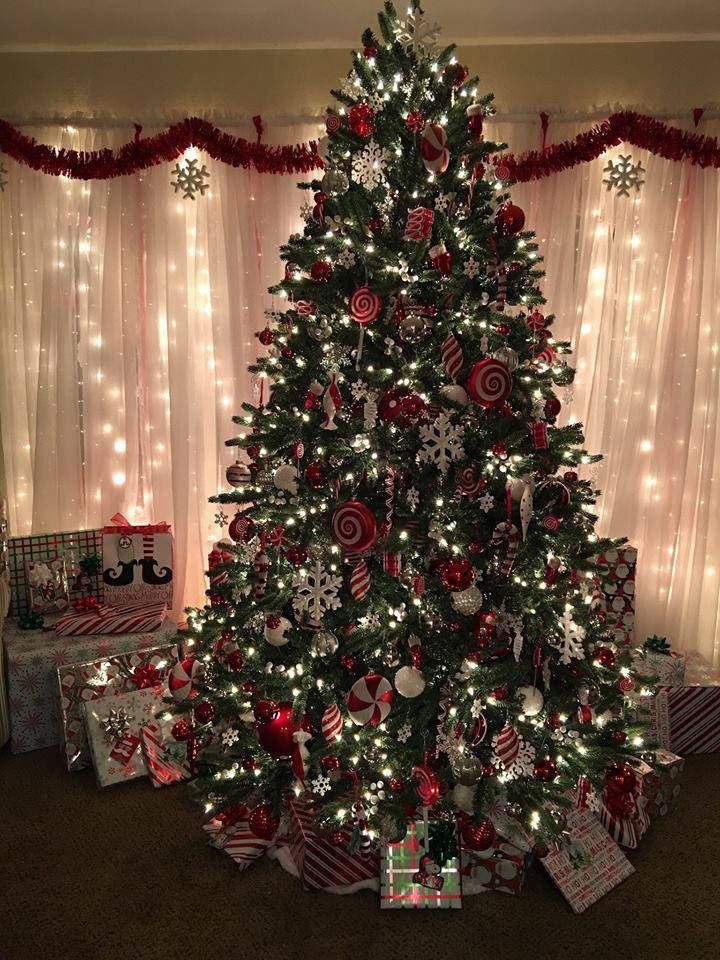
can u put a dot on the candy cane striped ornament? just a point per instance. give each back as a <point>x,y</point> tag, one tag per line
<point>331,723</point>
<point>507,745</point>
<point>471,483</point>
<point>360,821</point>
<point>261,567</point>
<point>360,580</point>
<point>509,532</point>
<point>331,402</point>
<point>452,356</point>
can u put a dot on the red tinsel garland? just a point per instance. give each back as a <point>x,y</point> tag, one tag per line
<point>144,152</point>
<point>642,131</point>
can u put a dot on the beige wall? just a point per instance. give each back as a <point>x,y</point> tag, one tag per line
<point>661,77</point>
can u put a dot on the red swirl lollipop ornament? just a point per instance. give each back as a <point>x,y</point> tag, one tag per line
<point>365,307</point>
<point>489,383</point>
<point>354,526</point>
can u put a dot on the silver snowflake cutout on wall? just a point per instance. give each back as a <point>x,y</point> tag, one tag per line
<point>189,179</point>
<point>623,175</point>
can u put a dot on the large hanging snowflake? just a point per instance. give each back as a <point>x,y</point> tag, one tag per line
<point>189,179</point>
<point>442,442</point>
<point>570,644</point>
<point>316,592</point>
<point>416,34</point>
<point>623,175</point>
<point>368,165</point>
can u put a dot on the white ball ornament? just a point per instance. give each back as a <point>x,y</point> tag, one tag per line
<point>409,682</point>
<point>467,601</point>
<point>455,393</point>
<point>532,700</point>
<point>286,478</point>
<point>276,628</point>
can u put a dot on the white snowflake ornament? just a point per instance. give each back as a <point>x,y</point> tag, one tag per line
<point>444,201</point>
<point>623,175</point>
<point>316,592</point>
<point>416,34</point>
<point>441,443</point>
<point>486,502</point>
<point>368,165</point>
<point>229,738</point>
<point>346,258</point>
<point>320,785</point>
<point>189,179</point>
<point>570,644</point>
<point>403,733</point>
<point>471,268</point>
<point>412,498</point>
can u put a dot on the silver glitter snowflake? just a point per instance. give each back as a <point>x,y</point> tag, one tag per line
<point>369,622</point>
<point>351,86</point>
<point>416,34</point>
<point>444,201</point>
<point>471,268</point>
<point>306,210</point>
<point>189,179</point>
<point>368,165</point>
<point>316,592</point>
<point>320,785</point>
<point>441,442</point>
<point>412,498</point>
<point>377,101</point>
<point>359,390</point>
<point>476,710</point>
<point>403,733</point>
<point>486,502</point>
<point>229,738</point>
<point>570,644</point>
<point>346,258</point>
<point>221,518</point>
<point>623,175</point>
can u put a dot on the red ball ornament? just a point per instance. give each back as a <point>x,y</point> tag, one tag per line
<point>621,777</point>
<point>204,712</point>
<point>265,710</point>
<point>509,219</point>
<point>454,626</point>
<point>253,452</point>
<point>249,686</point>
<point>570,476</point>
<point>390,405</point>
<point>488,770</point>
<point>181,730</point>
<point>287,352</point>
<point>412,407</point>
<point>475,547</point>
<point>348,661</point>
<point>248,763</point>
<point>338,838</point>
<point>477,836</point>
<point>263,822</point>
<point>236,660</point>
<point>266,337</point>
<point>369,53</point>
<point>456,574</point>
<point>321,271</point>
<point>545,770</point>
<point>296,555</point>
<point>330,762</point>
<point>501,693</point>
<point>361,119</point>
<point>397,785</point>
<point>415,121</point>
<point>604,656</point>
<point>376,224</point>
<point>552,407</point>
<point>316,474</point>
<point>276,735</point>
<point>455,74</point>
<point>619,736</point>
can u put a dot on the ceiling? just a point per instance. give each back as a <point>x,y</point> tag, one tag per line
<point>257,24</point>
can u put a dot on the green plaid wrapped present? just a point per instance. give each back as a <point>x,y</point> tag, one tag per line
<point>422,872</point>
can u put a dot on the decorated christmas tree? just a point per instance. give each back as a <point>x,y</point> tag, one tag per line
<point>406,616</point>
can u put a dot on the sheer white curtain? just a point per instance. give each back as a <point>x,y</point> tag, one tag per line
<point>126,325</point>
<point>635,285</point>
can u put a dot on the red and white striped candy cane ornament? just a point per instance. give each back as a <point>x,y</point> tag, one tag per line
<point>331,723</point>
<point>360,580</point>
<point>507,745</point>
<point>506,531</point>
<point>360,820</point>
<point>331,402</point>
<point>261,567</point>
<point>452,356</point>
<point>501,289</point>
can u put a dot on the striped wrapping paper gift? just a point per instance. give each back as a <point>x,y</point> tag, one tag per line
<point>138,618</point>
<point>165,759</point>
<point>238,841</point>
<point>320,864</point>
<point>687,719</point>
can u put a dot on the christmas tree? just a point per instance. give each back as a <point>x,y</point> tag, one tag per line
<point>406,616</point>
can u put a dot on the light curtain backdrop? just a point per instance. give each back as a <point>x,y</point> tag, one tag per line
<point>127,320</point>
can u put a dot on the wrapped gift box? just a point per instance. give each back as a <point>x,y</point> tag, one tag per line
<point>627,829</point>
<point>667,668</point>
<point>321,865</point>
<point>502,867</point>
<point>47,584</point>
<point>114,725</point>
<point>686,719</point>
<point>233,835</point>
<point>668,767</point>
<point>33,658</point>
<point>589,865</point>
<point>137,563</point>
<point>166,759</point>
<point>104,619</point>
<point>79,683</point>
<point>616,570</point>
<point>412,878</point>
<point>71,546</point>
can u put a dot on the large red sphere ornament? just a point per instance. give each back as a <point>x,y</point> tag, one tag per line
<point>316,474</point>
<point>265,710</point>
<point>354,526</point>
<point>277,736</point>
<point>369,700</point>
<point>263,822</point>
<point>477,836</point>
<point>181,730</point>
<point>182,678</point>
<point>321,271</point>
<point>489,383</point>
<point>361,119</point>
<point>434,148</point>
<point>455,74</point>
<point>235,660</point>
<point>266,336</point>
<point>545,770</point>
<point>510,219</point>
<point>241,528</point>
<point>456,574</point>
<point>605,657</point>
<point>365,306</point>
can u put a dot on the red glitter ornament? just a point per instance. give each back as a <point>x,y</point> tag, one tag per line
<point>375,225</point>
<point>545,770</point>
<point>500,450</point>
<point>204,712</point>
<point>370,52</point>
<point>619,736</point>
<point>288,353</point>
<point>361,119</point>
<point>249,686</point>
<point>477,836</point>
<point>253,452</point>
<point>330,762</point>
<point>604,656</point>
<point>501,693</point>
<point>338,838</point>
<point>248,763</point>
<point>265,710</point>
<point>510,219</point>
<point>316,474</point>
<point>296,555</point>
<point>455,74</point>
<point>415,121</point>
<point>552,407</point>
<point>263,822</point>
<point>236,660</point>
<point>475,547</point>
<point>621,778</point>
<point>348,661</point>
<point>397,785</point>
<point>266,336</point>
<point>181,730</point>
<point>321,271</point>
<point>456,574</point>
<point>570,476</point>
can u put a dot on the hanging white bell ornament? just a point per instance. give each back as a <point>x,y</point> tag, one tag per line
<point>276,628</point>
<point>409,682</point>
<point>532,699</point>
<point>286,477</point>
<point>467,601</point>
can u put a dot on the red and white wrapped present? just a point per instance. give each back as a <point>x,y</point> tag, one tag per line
<point>502,867</point>
<point>686,719</point>
<point>230,832</point>
<point>106,619</point>
<point>616,570</point>
<point>625,813</point>
<point>668,767</point>
<point>166,759</point>
<point>589,864</point>
<point>320,864</point>
<point>137,563</point>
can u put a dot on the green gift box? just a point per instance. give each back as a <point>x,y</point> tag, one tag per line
<point>422,870</point>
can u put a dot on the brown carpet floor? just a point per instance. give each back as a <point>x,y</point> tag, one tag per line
<point>125,874</point>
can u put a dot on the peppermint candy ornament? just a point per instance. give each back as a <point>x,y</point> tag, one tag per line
<point>360,580</point>
<point>332,123</point>
<point>365,306</point>
<point>331,723</point>
<point>489,383</point>
<point>182,678</point>
<point>434,148</point>
<point>354,526</point>
<point>471,482</point>
<point>369,700</point>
